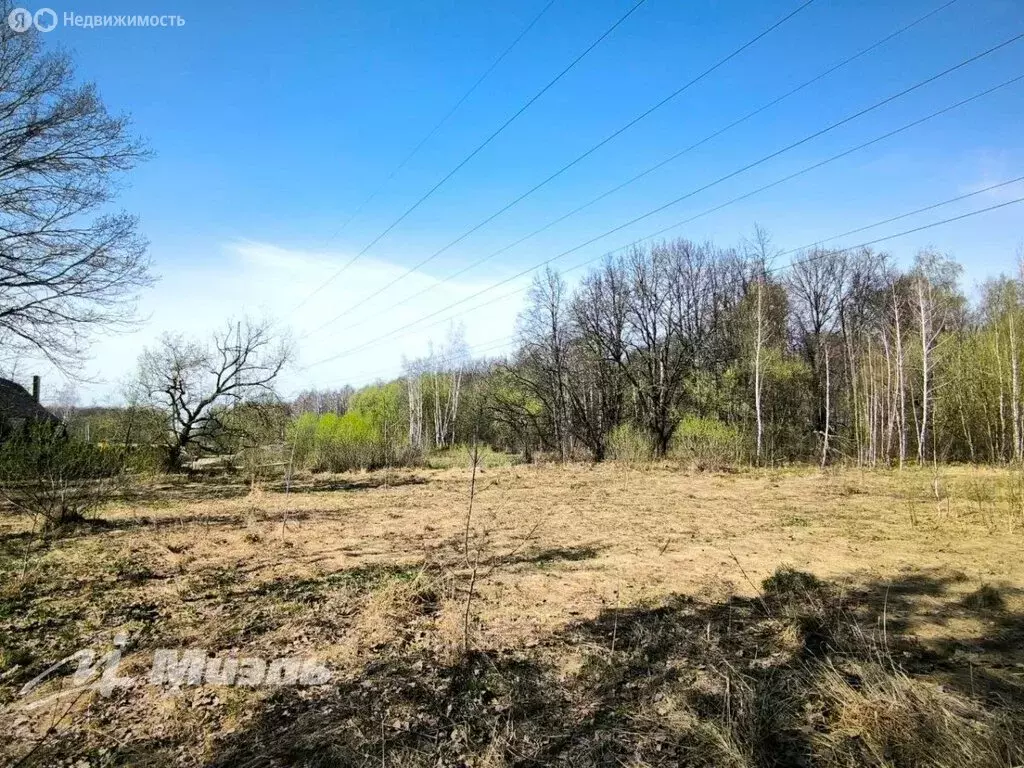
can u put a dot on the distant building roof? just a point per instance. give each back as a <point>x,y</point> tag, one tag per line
<point>18,408</point>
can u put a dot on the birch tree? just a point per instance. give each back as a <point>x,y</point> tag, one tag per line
<point>933,278</point>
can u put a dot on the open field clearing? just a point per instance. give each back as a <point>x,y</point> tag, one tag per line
<point>616,615</point>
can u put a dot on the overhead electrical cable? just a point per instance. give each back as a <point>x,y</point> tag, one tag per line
<point>772,155</point>
<point>479,148</point>
<point>579,158</point>
<point>653,168</point>
<point>440,124</point>
<point>795,262</point>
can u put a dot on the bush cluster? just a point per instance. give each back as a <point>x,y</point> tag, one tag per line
<point>45,474</point>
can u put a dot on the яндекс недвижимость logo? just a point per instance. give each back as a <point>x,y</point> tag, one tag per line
<point>22,19</point>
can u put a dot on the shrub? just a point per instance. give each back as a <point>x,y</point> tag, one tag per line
<point>787,582</point>
<point>143,459</point>
<point>332,443</point>
<point>461,457</point>
<point>708,443</point>
<point>630,444</point>
<point>302,436</point>
<point>345,443</point>
<point>47,475</point>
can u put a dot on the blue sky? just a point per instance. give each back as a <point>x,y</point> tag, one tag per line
<point>271,124</point>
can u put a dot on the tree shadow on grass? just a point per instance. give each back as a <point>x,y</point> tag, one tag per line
<point>805,674</point>
<point>16,543</point>
<point>970,639</point>
<point>800,676</point>
<point>173,491</point>
<point>176,489</point>
<point>542,557</point>
<point>361,578</point>
<point>327,484</point>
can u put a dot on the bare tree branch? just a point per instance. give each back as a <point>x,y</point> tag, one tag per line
<point>194,383</point>
<point>67,270</point>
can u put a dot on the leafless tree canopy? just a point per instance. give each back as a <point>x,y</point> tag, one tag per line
<point>195,382</point>
<point>321,401</point>
<point>67,270</point>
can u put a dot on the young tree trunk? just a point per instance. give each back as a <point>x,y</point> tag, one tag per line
<point>856,427</point>
<point>453,403</point>
<point>414,385</point>
<point>923,304</point>
<point>871,405</point>
<point>890,395</point>
<point>828,409</point>
<point>757,371</point>
<point>1014,387</point>
<point>1002,399</point>
<point>438,438</point>
<point>963,423</point>
<point>901,387</point>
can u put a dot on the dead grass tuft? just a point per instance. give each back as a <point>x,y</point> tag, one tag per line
<point>985,599</point>
<point>389,609</point>
<point>878,715</point>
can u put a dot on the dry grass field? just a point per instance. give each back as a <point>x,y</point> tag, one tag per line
<point>583,615</point>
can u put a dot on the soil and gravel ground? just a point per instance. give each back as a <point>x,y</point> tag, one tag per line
<point>586,615</point>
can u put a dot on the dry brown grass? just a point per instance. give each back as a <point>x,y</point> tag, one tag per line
<point>883,716</point>
<point>573,565</point>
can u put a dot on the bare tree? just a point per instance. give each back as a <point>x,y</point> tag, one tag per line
<point>1001,309</point>
<point>65,270</point>
<point>194,382</point>
<point>758,347</point>
<point>816,284</point>
<point>446,369</point>
<point>901,376</point>
<point>543,329</point>
<point>321,401</point>
<point>413,374</point>
<point>935,301</point>
<point>65,401</point>
<point>660,352</point>
<point>597,388</point>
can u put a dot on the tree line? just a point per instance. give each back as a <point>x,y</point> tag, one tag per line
<point>839,355</point>
<point>678,348</point>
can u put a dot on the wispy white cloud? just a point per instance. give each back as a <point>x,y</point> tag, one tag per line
<point>264,279</point>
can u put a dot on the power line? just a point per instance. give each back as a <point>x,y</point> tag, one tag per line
<point>651,169</point>
<point>595,259</point>
<point>479,147</point>
<point>809,259</point>
<point>741,170</point>
<point>846,152</point>
<point>908,214</point>
<point>619,131</point>
<point>950,220</point>
<point>431,133</point>
<point>813,257</point>
<point>798,143</point>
